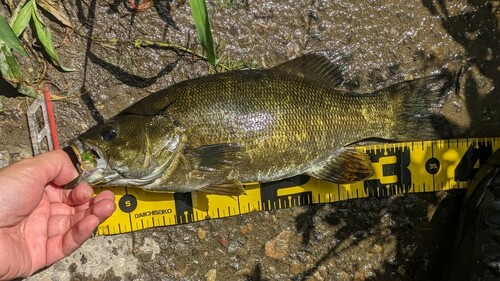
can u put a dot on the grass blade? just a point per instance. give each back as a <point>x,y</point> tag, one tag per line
<point>23,18</point>
<point>10,39</point>
<point>202,22</point>
<point>45,38</point>
<point>51,7</point>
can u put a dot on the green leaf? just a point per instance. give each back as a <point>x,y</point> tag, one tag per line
<point>11,72</point>
<point>202,22</point>
<point>27,90</point>
<point>44,36</point>
<point>9,38</point>
<point>23,18</point>
<point>9,66</point>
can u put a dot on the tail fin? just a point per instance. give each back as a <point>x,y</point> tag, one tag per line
<point>420,103</point>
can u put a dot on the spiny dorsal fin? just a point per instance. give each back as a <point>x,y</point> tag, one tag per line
<point>230,187</point>
<point>317,67</point>
<point>347,166</point>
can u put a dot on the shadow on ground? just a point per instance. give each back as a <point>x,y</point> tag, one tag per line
<point>477,30</point>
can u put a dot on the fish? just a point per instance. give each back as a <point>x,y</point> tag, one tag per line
<point>216,133</point>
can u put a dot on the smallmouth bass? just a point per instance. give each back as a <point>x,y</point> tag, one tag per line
<point>214,133</point>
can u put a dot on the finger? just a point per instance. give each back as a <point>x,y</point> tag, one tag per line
<point>106,194</point>
<point>66,243</point>
<point>104,207</point>
<point>79,195</point>
<point>53,166</point>
<point>59,208</point>
<point>59,224</point>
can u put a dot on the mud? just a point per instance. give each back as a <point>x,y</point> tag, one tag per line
<point>405,237</point>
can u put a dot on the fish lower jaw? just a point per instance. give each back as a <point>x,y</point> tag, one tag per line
<point>127,182</point>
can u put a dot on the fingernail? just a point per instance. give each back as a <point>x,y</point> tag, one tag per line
<point>88,193</point>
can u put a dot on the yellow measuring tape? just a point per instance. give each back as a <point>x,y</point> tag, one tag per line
<point>408,167</point>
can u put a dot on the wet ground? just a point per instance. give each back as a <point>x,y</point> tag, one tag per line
<point>405,237</point>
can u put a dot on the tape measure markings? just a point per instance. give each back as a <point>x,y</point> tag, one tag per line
<point>399,168</point>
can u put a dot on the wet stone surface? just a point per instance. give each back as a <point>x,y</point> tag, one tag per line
<point>405,237</point>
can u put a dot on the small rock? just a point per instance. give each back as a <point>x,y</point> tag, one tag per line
<point>322,271</point>
<point>223,241</point>
<point>235,265</point>
<point>182,249</point>
<point>377,249</point>
<point>72,267</point>
<point>182,272</point>
<point>359,276</point>
<point>246,229</point>
<point>83,259</point>
<point>295,268</point>
<point>233,247</point>
<point>278,247</point>
<point>244,272</point>
<point>317,276</point>
<point>162,261</point>
<point>202,233</point>
<point>148,250</point>
<point>342,276</point>
<point>211,275</point>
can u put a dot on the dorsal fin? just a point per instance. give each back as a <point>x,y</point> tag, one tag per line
<point>317,67</point>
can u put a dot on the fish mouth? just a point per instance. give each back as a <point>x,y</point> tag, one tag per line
<point>90,163</point>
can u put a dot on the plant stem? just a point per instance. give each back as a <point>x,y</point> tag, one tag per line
<point>147,43</point>
<point>144,43</point>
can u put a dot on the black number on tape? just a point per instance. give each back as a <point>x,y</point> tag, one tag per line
<point>472,159</point>
<point>432,166</point>
<point>127,203</point>
<point>397,176</point>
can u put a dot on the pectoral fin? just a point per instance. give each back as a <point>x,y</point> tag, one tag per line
<point>231,188</point>
<point>215,157</point>
<point>347,166</point>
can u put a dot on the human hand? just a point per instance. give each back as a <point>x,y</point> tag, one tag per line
<point>40,223</point>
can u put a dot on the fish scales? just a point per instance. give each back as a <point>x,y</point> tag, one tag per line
<point>266,120</point>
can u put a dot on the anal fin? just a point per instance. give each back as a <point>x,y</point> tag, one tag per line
<point>348,165</point>
<point>230,187</point>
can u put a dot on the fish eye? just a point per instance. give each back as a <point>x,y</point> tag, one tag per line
<point>109,133</point>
